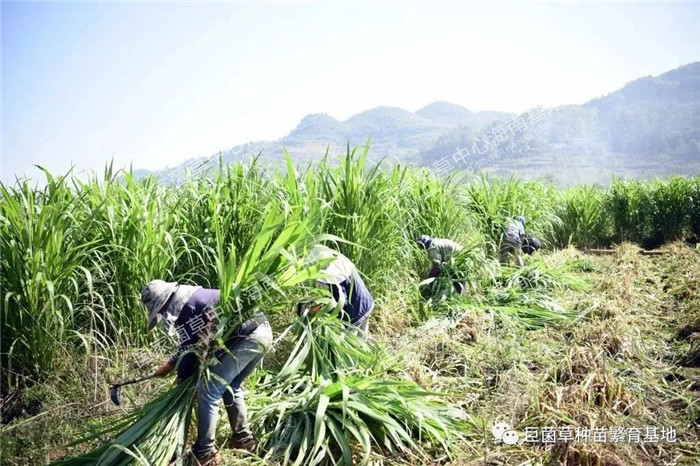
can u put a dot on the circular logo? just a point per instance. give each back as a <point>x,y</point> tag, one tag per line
<point>498,429</point>
<point>510,437</point>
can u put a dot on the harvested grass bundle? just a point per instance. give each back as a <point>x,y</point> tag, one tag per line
<point>324,348</point>
<point>156,435</point>
<point>525,293</point>
<point>309,421</point>
<point>329,402</point>
<point>533,310</point>
<point>537,275</point>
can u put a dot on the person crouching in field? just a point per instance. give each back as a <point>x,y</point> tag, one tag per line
<point>512,241</point>
<point>342,279</point>
<point>439,251</point>
<point>189,312</point>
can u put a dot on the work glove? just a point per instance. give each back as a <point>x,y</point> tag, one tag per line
<point>164,370</point>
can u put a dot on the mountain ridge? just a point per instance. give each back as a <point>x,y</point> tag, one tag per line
<point>649,126</point>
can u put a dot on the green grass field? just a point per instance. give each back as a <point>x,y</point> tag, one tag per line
<point>572,340</point>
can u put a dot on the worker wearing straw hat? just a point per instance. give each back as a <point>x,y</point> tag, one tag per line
<point>343,280</point>
<point>440,250</point>
<point>190,313</point>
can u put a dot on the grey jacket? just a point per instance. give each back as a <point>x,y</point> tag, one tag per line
<point>440,251</point>
<point>515,230</point>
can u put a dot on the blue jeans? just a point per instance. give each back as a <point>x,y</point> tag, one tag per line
<point>233,369</point>
<point>361,327</point>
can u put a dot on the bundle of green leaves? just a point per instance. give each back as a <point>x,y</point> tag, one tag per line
<point>332,402</point>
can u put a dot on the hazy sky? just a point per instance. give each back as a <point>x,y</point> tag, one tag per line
<point>156,83</point>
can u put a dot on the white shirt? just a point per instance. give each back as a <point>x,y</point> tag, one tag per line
<point>337,271</point>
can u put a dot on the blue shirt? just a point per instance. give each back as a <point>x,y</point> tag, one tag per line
<point>197,320</point>
<point>358,300</point>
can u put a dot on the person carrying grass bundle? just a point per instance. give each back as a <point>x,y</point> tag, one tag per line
<point>341,277</point>
<point>439,251</point>
<point>512,241</point>
<point>189,312</point>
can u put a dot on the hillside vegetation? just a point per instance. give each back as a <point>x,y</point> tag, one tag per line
<point>648,128</point>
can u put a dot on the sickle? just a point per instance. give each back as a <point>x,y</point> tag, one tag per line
<point>115,390</point>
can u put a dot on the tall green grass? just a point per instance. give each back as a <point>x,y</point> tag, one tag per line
<point>583,222</point>
<point>50,260</point>
<point>494,203</point>
<point>74,254</point>
<point>648,213</point>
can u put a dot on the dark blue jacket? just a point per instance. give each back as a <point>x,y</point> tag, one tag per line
<point>358,300</point>
<point>196,320</point>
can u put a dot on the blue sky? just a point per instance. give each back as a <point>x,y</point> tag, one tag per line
<point>156,83</point>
